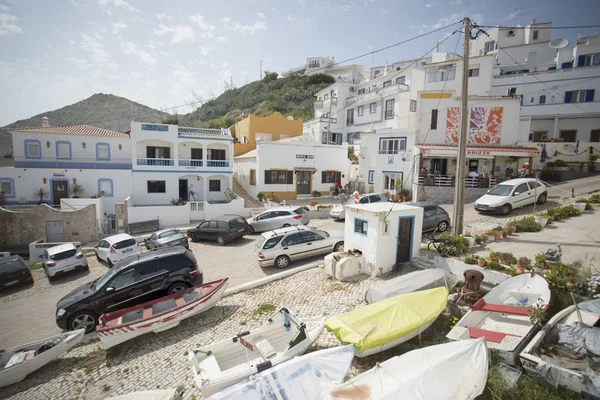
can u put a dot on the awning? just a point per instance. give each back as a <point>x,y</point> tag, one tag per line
<point>307,169</point>
<point>481,151</point>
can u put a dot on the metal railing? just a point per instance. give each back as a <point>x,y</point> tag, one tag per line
<point>217,163</point>
<point>190,163</point>
<point>446,181</point>
<point>157,162</point>
<point>196,206</point>
<point>83,163</point>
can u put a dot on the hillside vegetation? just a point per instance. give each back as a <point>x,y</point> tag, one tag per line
<point>293,96</point>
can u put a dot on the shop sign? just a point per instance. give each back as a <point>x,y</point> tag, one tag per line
<point>305,156</point>
<point>478,153</point>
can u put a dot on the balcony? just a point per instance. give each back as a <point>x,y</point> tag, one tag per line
<point>202,132</point>
<point>190,163</point>
<point>351,100</point>
<point>318,105</point>
<point>156,162</point>
<point>81,163</point>
<point>217,163</point>
<point>559,109</point>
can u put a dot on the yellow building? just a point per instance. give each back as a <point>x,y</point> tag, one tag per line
<point>253,128</point>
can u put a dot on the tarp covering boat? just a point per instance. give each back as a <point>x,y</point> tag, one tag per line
<point>418,280</point>
<point>450,371</point>
<point>388,320</point>
<point>165,394</point>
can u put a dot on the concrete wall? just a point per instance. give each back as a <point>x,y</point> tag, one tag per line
<point>77,204</point>
<point>121,217</point>
<point>27,226</point>
<point>236,206</point>
<point>558,151</point>
<point>445,195</point>
<point>275,124</point>
<point>167,215</point>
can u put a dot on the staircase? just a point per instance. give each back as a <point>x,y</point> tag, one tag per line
<point>423,261</point>
<point>249,201</point>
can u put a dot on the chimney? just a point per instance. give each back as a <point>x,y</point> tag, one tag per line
<point>45,122</point>
<point>533,21</point>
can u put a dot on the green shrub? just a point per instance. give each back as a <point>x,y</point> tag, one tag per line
<point>528,224</point>
<point>470,260</point>
<point>525,262</point>
<point>494,256</point>
<point>560,163</point>
<point>316,193</point>
<point>540,260</point>
<point>452,245</point>
<point>496,266</point>
<point>507,258</point>
<point>569,210</point>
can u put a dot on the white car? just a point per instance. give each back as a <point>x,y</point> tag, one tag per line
<point>62,258</point>
<point>338,212</point>
<point>115,248</point>
<point>514,193</point>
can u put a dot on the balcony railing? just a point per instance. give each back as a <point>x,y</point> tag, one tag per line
<point>156,162</point>
<point>445,180</point>
<point>183,131</point>
<point>190,163</point>
<point>81,163</point>
<point>318,105</point>
<point>217,163</point>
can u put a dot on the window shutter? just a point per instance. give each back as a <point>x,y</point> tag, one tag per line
<point>338,177</point>
<point>149,152</point>
<point>338,138</point>
<point>581,61</point>
<point>434,117</point>
<point>290,177</point>
<point>323,177</point>
<point>324,138</point>
<point>589,95</point>
<point>267,177</point>
<point>568,97</point>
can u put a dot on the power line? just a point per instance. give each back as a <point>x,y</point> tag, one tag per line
<point>540,27</point>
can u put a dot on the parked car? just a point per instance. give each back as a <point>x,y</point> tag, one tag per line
<point>278,217</point>
<point>434,217</point>
<point>134,280</point>
<point>339,212</point>
<point>114,248</point>
<point>510,194</point>
<point>222,229</point>
<point>166,238</point>
<point>281,246</point>
<point>14,270</point>
<point>63,258</point>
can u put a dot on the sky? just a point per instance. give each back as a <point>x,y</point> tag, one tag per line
<point>169,55</point>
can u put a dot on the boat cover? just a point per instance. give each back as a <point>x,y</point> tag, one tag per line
<point>387,320</point>
<point>301,378</point>
<point>450,371</point>
<point>165,394</point>
<point>418,280</point>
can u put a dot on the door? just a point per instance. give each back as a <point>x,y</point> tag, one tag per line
<point>151,278</point>
<point>183,189</point>
<point>315,244</point>
<point>405,234</point>
<point>294,246</point>
<point>521,196</point>
<point>429,218</point>
<point>127,291</point>
<point>55,231</point>
<point>262,222</point>
<point>202,231</point>
<point>303,183</point>
<point>59,191</point>
<point>102,249</point>
<point>282,218</point>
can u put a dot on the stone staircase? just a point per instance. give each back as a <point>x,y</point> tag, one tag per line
<point>249,201</point>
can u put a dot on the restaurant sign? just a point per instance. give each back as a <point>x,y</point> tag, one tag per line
<point>305,156</point>
<point>478,153</point>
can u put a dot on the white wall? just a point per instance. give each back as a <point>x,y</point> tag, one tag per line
<point>168,216</point>
<point>77,204</point>
<point>478,86</point>
<point>236,206</point>
<point>241,171</point>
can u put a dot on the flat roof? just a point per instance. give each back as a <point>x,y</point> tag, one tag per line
<point>381,208</point>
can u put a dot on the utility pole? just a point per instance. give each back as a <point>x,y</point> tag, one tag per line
<point>331,92</point>
<point>461,162</point>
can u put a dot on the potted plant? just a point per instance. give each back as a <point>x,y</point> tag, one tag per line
<point>497,231</point>
<point>505,232</point>
<point>477,239</point>
<point>491,234</point>
<point>523,263</point>
<point>484,238</point>
<point>261,197</point>
<point>494,256</point>
<point>540,260</point>
<point>41,194</point>
<point>481,262</point>
<point>76,190</point>
<point>507,258</point>
<point>470,260</point>
<point>540,219</point>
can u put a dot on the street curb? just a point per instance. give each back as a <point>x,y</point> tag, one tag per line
<point>269,279</point>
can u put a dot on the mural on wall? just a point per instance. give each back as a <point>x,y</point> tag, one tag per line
<point>485,125</point>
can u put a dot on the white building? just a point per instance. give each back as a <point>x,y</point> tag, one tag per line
<point>352,73</point>
<point>292,168</point>
<point>399,65</point>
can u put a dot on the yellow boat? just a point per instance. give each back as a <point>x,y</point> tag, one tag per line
<point>387,323</point>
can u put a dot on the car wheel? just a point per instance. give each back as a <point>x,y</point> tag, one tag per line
<point>286,225</point>
<point>110,263</point>
<point>505,209</point>
<point>251,230</point>
<point>177,287</point>
<point>84,320</point>
<point>282,262</point>
<point>97,256</point>
<point>221,240</point>
<point>442,226</point>
<point>339,246</point>
<point>542,199</point>
<point>193,237</point>
<point>50,278</point>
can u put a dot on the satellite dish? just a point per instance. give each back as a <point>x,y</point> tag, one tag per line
<point>559,43</point>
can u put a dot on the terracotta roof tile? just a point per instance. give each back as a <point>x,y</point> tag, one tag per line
<point>80,130</point>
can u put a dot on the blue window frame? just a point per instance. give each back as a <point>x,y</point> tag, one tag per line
<point>62,148</point>
<point>32,148</point>
<point>371,176</point>
<point>103,151</point>
<point>360,226</point>
<point>106,185</point>
<point>7,185</point>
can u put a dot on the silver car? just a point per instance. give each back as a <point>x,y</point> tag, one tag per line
<point>338,212</point>
<point>278,217</point>
<point>281,246</point>
<point>166,238</point>
<point>62,258</point>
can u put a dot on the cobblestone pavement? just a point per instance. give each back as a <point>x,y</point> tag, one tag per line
<point>158,360</point>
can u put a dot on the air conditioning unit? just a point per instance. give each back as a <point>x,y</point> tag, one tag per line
<point>511,32</point>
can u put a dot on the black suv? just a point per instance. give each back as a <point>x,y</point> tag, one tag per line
<point>133,280</point>
<point>222,229</point>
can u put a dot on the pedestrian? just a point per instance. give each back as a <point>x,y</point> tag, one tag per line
<point>508,172</point>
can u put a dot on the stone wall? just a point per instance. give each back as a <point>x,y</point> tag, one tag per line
<point>24,227</point>
<point>121,217</point>
<point>445,195</point>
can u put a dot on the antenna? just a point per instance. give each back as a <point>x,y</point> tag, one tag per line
<point>559,43</point>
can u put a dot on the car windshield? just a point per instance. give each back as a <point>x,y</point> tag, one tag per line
<point>63,255</point>
<point>320,232</point>
<point>124,243</point>
<point>11,265</point>
<point>100,282</point>
<point>259,241</point>
<point>501,190</point>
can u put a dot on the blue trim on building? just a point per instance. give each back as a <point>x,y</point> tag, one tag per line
<point>395,172</point>
<point>26,142</point>
<point>70,164</point>
<point>394,137</point>
<point>12,186</point>
<point>112,188</point>
<point>537,82</point>
<point>365,222</point>
<point>58,157</point>
<point>558,104</point>
<point>201,138</point>
<point>371,176</point>
<point>187,171</point>
<point>155,127</point>
<point>98,145</point>
<point>412,236</point>
<point>52,191</point>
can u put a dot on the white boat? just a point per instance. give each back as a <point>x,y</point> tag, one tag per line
<point>501,317</point>
<point>301,378</point>
<point>552,370</point>
<point>164,394</point>
<point>158,315</point>
<point>449,371</point>
<point>412,282</point>
<point>222,364</point>
<point>18,362</point>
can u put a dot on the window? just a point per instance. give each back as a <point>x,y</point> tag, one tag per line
<point>279,177</point>
<point>434,118</point>
<point>511,91</point>
<point>579,96</point>
<point>105,185</point>
<point>33,148</point>
<point>197,154</point>
<point>473,72</point>
<point>158,152</point>
<point>372,108</point>
<point>429,211</point>
<point>361,111</point>
<point>292,240</point>
<point>310,236</point>
<point>543,99</point>
<point>592,59</point>
<point>377,72</point>
<point>391,145</point>
<point>125,278</point>
<point>314,64</point>
<point>595,135</point>
<point>331,176</point>
<point>401,79</point>
<point>569,135</point>
<point>331,138</point>
<point>216,154</point>
<point>252,177</point>
<point>63,150</point>
<point>362,91</point>
<point>222,225</point>
<point>413,106</point>
<point>326,96</point>
<point>350,117</point>
<point>532,100</point>
<point>522,188</point>
<point>269,244</point>
<point>441,74</point>
<point>538,136</point>
<point>102,151</point>
<point>6,186</point>
<point>389,181</point>
<point>387,83</point>
<point>360,226</point>
<point>157,187</point>
<point>536,34</point>
<point>489,46</point>
<point>371,176</point>
<point>389,109</point>
<point>214,185</point>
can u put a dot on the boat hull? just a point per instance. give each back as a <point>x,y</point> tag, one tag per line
<point>412,282</point>
<point>393,343</point>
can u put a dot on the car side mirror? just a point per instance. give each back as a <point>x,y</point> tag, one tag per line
<point>516,193</point>
<point>109,289</point>
<point>42,256</point>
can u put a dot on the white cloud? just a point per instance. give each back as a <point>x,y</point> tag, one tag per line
<point>179,33</point>
<point>4,8</point>
<point>249,29</point>
<point>221,38</point>
<point>164,16</point>
<point>275,10</point>
<point>456,2</point>
<point>346,7</point>
<point>8,25</point>
<point>429,5</point>
<point>206,35</point>
<point>95,49</point>
<point>261,15</point>
<point>117,26</point>
<point>164,53</point>
<point>511,16</point>
<point>291,18</point>
<point>204,50</point>
<point>108,5</point>
<point>128,47</point>
<point>80,63</point>
<point>202,24</point>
